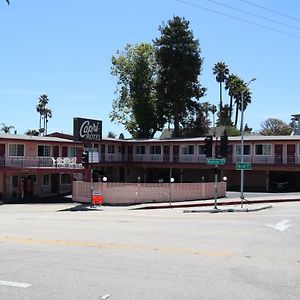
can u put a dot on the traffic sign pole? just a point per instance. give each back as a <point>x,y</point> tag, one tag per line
<point>216,186</point>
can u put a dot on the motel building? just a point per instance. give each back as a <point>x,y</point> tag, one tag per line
<point>42,166</point>
<point>274,161</point>
<point>38,166</point>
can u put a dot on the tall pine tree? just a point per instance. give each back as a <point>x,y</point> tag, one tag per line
<point>179,65</point>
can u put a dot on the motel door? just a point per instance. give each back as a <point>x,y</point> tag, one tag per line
<point>2,154</point>
<point>129,152</point>
<point>278,153</point>
<point>55,151</point>
<point>291,151</point>
<point>102,152</point>
<point>230,151</point>
<point>55,183</point>
<point>64,152</point>
<point>166,153</point>
<point>175,153</point>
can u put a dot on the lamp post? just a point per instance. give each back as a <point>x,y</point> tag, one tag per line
<point>242,140</point>
<point>170,190</point>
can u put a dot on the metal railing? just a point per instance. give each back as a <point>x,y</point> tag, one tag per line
<point>33,162</point>
<point>49,162</point>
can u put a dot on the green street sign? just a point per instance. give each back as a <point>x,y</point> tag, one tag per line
<point>243,166</point>
<point>216,161</point>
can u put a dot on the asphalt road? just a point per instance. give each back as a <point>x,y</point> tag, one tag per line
<point>49,252</point>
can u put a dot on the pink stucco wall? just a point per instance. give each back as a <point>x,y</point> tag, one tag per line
<point>131,193</point>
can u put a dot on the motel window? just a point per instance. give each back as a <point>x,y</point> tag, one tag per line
<point>187,149</point>
<point>72,151</point>
<point>201,149</point>
<point>247,150</point>
<point>46,179</point>
<point>65,179</point>
<point>155,149</point>
<point>16,150</point>
<point>140,150</point>
<point>111,149</point>
<point>43,150</point>
<point>263,149</point>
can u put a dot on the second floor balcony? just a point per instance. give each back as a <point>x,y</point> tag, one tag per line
<point>39,162</point>
<point>200,159</point>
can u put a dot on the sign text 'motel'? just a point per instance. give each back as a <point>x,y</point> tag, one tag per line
<point>87,129</point>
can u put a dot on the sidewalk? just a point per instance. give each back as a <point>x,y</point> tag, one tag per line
<point>224,204</point>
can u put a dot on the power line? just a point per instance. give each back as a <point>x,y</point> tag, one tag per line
<point>271,10</point>
<point>255,15</point>
<point>237,18</point>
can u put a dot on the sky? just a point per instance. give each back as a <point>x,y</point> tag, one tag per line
<point>64,48</point>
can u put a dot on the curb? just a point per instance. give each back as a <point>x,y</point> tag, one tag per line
<point>214,211</point>
<point>174,205</point>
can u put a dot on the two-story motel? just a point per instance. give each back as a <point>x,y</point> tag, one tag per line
<point>275,161</point>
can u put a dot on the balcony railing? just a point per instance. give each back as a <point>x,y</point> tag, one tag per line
<point>38,162</point>
<point>195,158</point>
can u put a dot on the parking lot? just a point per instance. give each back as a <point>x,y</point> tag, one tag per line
<point>49,251</point>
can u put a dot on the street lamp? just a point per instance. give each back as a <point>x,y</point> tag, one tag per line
<point>242,139</point>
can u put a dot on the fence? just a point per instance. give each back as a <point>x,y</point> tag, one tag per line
<point>133,193</point>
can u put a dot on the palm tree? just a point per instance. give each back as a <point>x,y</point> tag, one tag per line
<point>5,128</point>
<point>7,2</point>
<point>47,114</point>
<point>231,84</point>
<point>221,71</point>
<point>241,88</point>
<point>43,111</point>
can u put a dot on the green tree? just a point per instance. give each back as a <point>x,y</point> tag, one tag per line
<point>241,89</point>
<point>221,71</point>
<point>231,84</point>
<point>224,116</point>
<point>44,112</point>
<point>33,132</point>
<point>197,122</point>
<point>136,106</point>
<point>47,115</point>
<point>273,126</point>
<point>179,65</point>
<point>6,128</point>
<point>111,135</point>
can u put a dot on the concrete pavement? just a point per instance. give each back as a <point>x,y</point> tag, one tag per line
<point>232,202</point>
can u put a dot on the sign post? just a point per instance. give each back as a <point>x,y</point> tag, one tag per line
<point>216,162</point>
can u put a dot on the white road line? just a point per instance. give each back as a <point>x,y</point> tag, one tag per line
<point>281,226</point>
<point>14,284</point>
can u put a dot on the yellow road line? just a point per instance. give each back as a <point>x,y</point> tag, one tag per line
<point>113,246</point>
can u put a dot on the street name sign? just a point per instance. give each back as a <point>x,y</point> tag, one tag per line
<point>217,161</point>
<point>243,166</point>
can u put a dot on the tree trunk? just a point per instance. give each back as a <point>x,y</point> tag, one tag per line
<point>176,121</point>
<point>230,109</point>
<point>236,115</point>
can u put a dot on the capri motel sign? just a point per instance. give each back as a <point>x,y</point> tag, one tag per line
<point>87,129</point>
